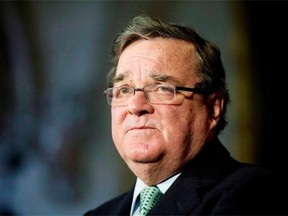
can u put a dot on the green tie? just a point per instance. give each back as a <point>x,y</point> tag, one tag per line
<point>148,198</point>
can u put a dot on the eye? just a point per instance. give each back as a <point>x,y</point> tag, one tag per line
<point>122,91</point>
<point>163,89</point>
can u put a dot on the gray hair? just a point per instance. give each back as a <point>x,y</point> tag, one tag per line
<point>210,68</point>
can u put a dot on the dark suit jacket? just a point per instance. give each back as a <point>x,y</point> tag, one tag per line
<point>213,183</point>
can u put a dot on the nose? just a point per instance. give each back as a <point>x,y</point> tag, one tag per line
<point>139,89</point>
<point>138,104</point>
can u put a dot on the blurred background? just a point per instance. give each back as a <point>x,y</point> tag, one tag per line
<point>56,152</point>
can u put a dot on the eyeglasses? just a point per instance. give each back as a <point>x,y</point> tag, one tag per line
<point>154,94</point>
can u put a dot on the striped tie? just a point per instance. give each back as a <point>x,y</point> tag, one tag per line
<point>148,198</point>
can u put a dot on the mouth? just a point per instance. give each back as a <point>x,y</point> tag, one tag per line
<point>140,128</point>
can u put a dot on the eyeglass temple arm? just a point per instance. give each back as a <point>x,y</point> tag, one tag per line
<point>197,90</point>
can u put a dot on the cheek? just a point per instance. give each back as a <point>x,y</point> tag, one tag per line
<point>117,118</point>
<point>180,120</point>
<point>175,122</point>
<point>117,115</point>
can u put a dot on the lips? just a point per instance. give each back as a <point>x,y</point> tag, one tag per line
<point>135,128</point>
<point>141,128</point>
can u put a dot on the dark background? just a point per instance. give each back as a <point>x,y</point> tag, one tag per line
<point>56,152</point>
<point>266,26</point>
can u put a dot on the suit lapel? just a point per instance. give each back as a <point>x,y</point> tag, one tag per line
<point>123,207</point>
<point>198,177</point>
<point>179,199</point>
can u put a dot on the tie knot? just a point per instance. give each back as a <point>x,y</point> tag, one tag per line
<point>148,198</point>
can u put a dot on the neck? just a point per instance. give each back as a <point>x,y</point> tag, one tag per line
<point>153,173</point>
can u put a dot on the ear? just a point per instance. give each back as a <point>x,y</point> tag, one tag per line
<point>216,108</point>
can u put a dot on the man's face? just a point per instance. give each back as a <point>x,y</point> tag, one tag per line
<point>157,136</point>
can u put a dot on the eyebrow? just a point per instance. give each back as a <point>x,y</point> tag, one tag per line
<point>165,78</point>
<point>119,77</point>
<point>155,76</point>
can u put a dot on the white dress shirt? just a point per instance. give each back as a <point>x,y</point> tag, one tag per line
<point>140,185</point>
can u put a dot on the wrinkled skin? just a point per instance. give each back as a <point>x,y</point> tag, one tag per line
<point>157,140</point>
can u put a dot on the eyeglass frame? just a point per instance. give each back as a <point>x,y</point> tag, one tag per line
<point>198,89</point>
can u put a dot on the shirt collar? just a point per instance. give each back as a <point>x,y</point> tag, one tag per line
<point>140,185</point>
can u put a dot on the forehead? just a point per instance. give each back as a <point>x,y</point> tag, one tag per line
<point>157,57</point>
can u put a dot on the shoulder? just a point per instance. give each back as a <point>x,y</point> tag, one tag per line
<point>247,173</point>
<point>111,207</point>
<point>249,189</point>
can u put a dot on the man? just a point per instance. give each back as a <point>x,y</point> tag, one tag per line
<point>168,100</point>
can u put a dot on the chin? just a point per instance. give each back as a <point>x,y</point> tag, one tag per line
<point>143,156</point>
